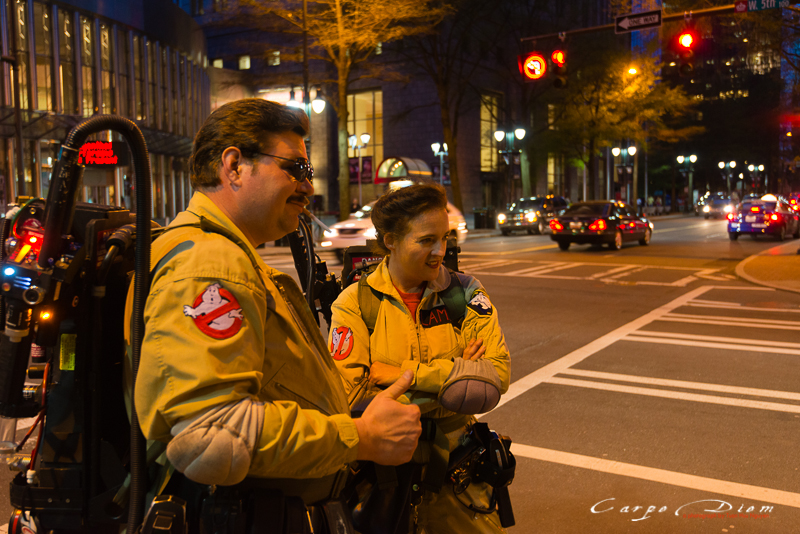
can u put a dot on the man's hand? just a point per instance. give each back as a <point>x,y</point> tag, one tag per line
<point>388,431</point>
<point>474,350</point>
<point>384,374</point>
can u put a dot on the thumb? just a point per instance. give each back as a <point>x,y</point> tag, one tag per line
<point>399,387</point>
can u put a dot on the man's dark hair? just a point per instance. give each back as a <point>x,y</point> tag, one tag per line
<point>244,124</point>
<point>393,211</point>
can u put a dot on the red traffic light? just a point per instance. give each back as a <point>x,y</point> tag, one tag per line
<point>534,66</point>
<point>686,40</point>
<point>559,57</point>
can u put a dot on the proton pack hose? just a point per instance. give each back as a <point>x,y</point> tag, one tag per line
<point>58,220</point>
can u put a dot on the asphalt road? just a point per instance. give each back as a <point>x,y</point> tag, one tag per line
<point>652,392</point>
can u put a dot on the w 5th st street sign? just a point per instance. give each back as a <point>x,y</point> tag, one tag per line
<point>743,6</point>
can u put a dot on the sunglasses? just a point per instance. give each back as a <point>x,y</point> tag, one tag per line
<point>302,170</point>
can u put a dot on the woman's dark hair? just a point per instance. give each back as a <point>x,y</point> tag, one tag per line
<point>244,124</point>
<point>393,211</point>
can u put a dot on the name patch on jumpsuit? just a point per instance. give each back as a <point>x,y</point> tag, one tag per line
<point>216,312</point>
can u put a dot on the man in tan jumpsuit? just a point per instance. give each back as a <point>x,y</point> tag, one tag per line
<point>234,373</point>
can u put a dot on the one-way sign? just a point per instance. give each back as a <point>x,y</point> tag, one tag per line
<point>637,21</point>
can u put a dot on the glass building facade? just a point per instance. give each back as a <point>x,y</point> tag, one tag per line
<point>141,59</point>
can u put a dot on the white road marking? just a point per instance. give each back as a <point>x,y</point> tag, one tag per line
<point>711,345</point>
<point>747,322</point>
<point>683,384</point>
<point>613,271</point>
<point>719,339</point>
<point>673,478</point>
<point>677,395</point>
<point>726,306</point>
<point>535,378</point>
<point>507,252</point>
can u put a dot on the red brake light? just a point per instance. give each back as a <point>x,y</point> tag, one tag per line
<point>775,217</point>
<point>556,226</point>
<point>731,216</point>
<point>598,226</point>
<point>755,209</point>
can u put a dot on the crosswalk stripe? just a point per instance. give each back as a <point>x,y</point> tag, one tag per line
<point>683,384</point>
<point>663,476</point>
<point>711,345</point>
<point>721,339</point>
<point>733,321</point>
<point>678,395</point>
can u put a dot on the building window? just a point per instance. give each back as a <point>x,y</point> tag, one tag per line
<point>43,40</point>
<point>124,68</point>
<point>217,63</point>
<point>87,67</point>
<point>490,108</point>
<point>22,56</point>
<point>182,62</point>
<point>379,49</point>
<point>165,97</point>
<point>67,68</point>
<point>107,70</point>
<point>152,82</point>
<point>244,62</point>
<point>176,80</point>
<point>365,115</point>
<point>138,75</point>
<point>274,58</point>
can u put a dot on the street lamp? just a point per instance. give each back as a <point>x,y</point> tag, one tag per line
<point>508,153</point>
<point>356,146</point>
<point>689,160</point>
<point>730,165</point>
<point>441,153</point>
<point>624,152</point>
<point>318,104</point>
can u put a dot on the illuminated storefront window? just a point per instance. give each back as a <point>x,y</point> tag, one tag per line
<point>107,69</point>
<point>87,67</point>
<point>490,108</point>
<point>365,115</point>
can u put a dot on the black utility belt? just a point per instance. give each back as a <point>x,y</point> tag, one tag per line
<point>252,508</point>
<point>309,490</point>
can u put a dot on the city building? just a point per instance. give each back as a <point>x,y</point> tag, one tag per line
<point>141,59</point>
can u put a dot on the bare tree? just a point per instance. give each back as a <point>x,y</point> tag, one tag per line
<point>342,33</point>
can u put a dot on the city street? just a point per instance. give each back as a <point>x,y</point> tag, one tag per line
<point>651,391</point>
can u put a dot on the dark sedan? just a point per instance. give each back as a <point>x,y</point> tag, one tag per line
<point>600,222</point>
<point>531,214</point>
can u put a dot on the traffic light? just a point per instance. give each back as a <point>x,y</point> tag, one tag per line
<point>559,59</point>
<point>533,66</point>
<point>685,45</point>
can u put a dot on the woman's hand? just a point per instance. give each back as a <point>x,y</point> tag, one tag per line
<point>474,350</point>
<point>384,374</point>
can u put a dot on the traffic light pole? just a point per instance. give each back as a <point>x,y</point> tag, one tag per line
<point>721,10</point>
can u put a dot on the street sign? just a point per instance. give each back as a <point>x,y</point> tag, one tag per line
<point>642,21</point>
<point>743,6</point>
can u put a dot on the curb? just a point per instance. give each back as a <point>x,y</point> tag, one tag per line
<point>753,280</point>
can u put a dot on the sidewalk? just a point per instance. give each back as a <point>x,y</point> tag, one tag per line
<point>777,267</point>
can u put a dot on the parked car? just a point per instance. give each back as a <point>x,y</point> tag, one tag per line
<point>717,207</point>
<point>358,228</point>
<point>600,222</point>
<point>768,215</point>
<point>532,214</point>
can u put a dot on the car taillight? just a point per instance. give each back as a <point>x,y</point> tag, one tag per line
<point>598,226</point>
<point>755,209</point>
<point>731,216</point>
<point>775,217</point>
<point>556,226</point>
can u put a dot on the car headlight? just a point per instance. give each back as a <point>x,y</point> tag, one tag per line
<point>530,216</point>
<point>370,233</point>
<point>330,233</point>
<point>462,225</point>
<point>501,218</point>
<point>706,209</point>
<point>728,208</point>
